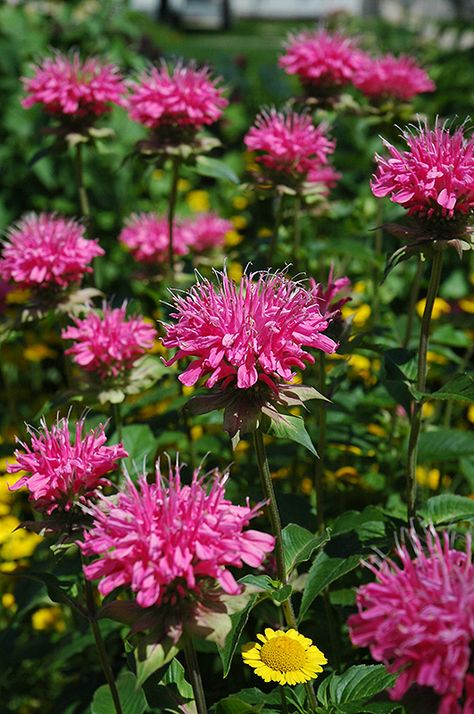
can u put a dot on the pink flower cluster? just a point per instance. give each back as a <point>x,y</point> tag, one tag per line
<point>248,332</point>
<point>59,472</point>
<point>390,76</point>
<point>418,619</point>
<point>45,251</point>
<point>434,177</point>
<point>109,344</point>
<point>322,59</point>
<point>326,294</point>
<point>166,537</point>
<point>66,85</point>
<point>147,237</point>
<point>290,144</point>
<point>205,231</point>
<point>184,96</point>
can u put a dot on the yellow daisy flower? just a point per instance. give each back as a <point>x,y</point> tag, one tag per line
<point>284,657</point>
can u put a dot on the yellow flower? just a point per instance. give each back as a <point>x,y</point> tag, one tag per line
<point>359,314</point>
<point>198,201</point>
<point>37,352</point>
<point>470,413</point>
<point>467,304</point>
<point>158,174</point>
<point>428,477</point>
<point>307,486</point>
<point>376,430</point>
<point>239,222</point>
<point>242,447</point>
<point>19,544</point>
<point>440,307</point>
<point>232,238</point>
<point>359,287</point>
<point>48,619</point>
<point>264,233</point>
<point>235,272</point>
<point>196,432</point>
<point>8,601</point>
<point>240,202</point>
<point>427,410</point>
<point>435,358</point>
<point>282,472</point>
<point>183,184</point>
<point>284,657</point>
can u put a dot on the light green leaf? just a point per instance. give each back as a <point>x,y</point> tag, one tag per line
<point>299,544</point>
<point>323,572</point>
<point>445,445</point>
<point>448,508</point>
<point>140,444</point>
<point>151,656</point>
<point>215,168</point>
<point>239,620</point>
<point>130,693</point>
<point>459,388</point>
<point>354,687</point>
<point>285,426</point>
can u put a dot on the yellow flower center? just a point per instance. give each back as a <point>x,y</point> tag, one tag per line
<point>283,654</point>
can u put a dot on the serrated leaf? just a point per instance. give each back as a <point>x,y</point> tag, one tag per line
<point>445,445</point>
<point>285,426</point>
<point>459,388</point>
<point>354,687</point>
<point>448,508</point>
<point>299,544</point>
<point>130,694</point>
<point>323,572</point>
<point>215,168</point>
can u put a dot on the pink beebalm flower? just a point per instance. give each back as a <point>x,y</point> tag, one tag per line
<point>321,60</point>
<point>205,231</point>
<point>69,87</point>
<point>108,344</point>
<point>289,144</point>
<point>166,538</point>
<point>418,618</point>
<point>389,76</point>
<point>185,96</point>
<point>45,251</point>
<point>433,178</point>
<point>147,237</point>
<point>326,294</point>
<point>61,472</point>
<point>248,332</point>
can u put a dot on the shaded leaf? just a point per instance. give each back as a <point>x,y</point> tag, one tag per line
<point>215,168</point>
<point>130,693</point>
<point>448,508</point>
<point>445,445</point>
<point>238,620</point>
<point>284,426</point>
<point>459,388</point>
<point>323,572</point>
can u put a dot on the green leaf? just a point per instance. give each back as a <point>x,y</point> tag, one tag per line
<point>284,426</point>
<point>254,698</point>
<point>323,572</point>
<point>151,656</point>
<point>239,620</point>
<point>130,693</point>
<point>448,508</point>
<point>445,445</point>
<point>215,168</point>
<point>140,444</point>
<point>54,586</point>
<point>299,544</point>
<point>368,523</point>
<point>459,388</point>
<point>355,686</point>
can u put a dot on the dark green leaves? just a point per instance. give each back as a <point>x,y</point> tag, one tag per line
<point>323,572</point>
<point>299,545</point>
<point>130,693</point>
<point>349,693</point>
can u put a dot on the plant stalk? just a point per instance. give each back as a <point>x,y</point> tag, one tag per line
<point>284,703</point>
<point>319,465</point>
<point>416,418</point>
<point>275,520</point>
<point>194,673</point>
<point>276,228</point>
<point>415,289</point>
<point>81,188</point>
<point>117,420</point>
<point>296,232</point>
<point>100,646</point>
<point>171,212</point>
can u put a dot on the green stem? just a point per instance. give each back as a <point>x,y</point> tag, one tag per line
<point>275,520</point>
<point>296,232</point>
<point>194,674</point>
<point>276,228</point>
<point>83,199</point>
<point>378,257</point>
<point>415,426</point>
<point>117,420</point>
<point>284,703</point>
<point>100,645</point>
<point>319,466</point>
<point>415,289</point>
<point>171,212</point>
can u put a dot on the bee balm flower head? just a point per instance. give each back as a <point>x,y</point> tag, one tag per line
<point>108,344</point>
<point>389,76</point>
<point>418,618</point>
<point>46,251</point>
<point>246,333</point>
<point>73,89</point>
<point>61,471</point>
<point>167,539</point>
<point>205,231</point>
<point>183,98</point>
<point>147,237</point>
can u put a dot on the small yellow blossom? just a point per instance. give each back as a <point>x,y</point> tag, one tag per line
<point>359,287</point>
<point>38,352</point>
<point>196,432</point>
<point>183,184</point>
<point>48,619</point>
<point>427,410</point>
<point>158,174</point>
<point>307,486</point>
<point>198,201</point>
<point>240,202</point>
<point>233,238</point>
<point>467,304</point>
<point>359,314</point>
<point>239,222</point>
<point>428,477</point>
<point>440,308</point>
<point>284,657</point>
<point>8,601</point>
<point>235,272</point>
<point>242,447</point>
<point>435,358</point>
<point>470,413</point>
<point>20,544</point>
<point>376,430</point>
<point>264,233</point>
<point>281,473</point>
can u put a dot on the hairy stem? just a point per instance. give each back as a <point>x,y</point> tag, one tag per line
<point>416,418</point>
<point>82,191</point>
<point>194,674</point>
<point>100,646</point>
<point>171,212</point>
<point>415,289</point>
